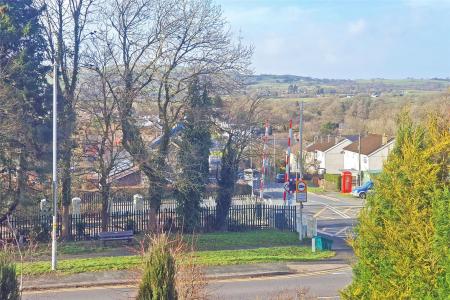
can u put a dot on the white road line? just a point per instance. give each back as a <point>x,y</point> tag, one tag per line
<point>345,216</point>
<point>319,212</point>
<point>340,231</point>
<point>323,232</point>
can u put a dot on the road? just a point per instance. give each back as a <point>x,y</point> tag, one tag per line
<point>323,285</point>
<point>335,218</point>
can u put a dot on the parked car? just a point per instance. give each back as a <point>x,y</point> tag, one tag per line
<point>363,190</point>
<point>279,178</point>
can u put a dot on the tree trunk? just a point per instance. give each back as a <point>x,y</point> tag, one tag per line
<point>223,206</point>
<point>155,192</point>
<point>66,181</point>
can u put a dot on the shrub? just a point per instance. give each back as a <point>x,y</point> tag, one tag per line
<point>333,181</point>
<point>9,286</point>
<point>130,225</point>
<point>81,227</point>
<point>402,236</point>
<point>158,280</point>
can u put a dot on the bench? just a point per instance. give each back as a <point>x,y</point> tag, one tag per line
<point>116,236</point>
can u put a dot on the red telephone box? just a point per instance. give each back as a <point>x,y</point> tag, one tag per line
<point>346,182</point>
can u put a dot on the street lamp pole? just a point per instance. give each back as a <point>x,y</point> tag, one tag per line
<point>54,171</point>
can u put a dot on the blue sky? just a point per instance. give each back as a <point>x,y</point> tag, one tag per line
<point>345,38</point>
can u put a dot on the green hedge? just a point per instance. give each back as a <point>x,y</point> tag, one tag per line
<point>333,181</point>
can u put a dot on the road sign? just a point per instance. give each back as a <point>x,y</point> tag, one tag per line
<point>286,186</point>
<point>302,193</point>
<point>301,186</point>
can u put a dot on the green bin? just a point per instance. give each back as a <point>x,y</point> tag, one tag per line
<point>323,243</point>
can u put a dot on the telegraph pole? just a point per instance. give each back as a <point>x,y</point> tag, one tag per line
<point>300,167</point>
<point>54,171</point>
<point>359,159</point>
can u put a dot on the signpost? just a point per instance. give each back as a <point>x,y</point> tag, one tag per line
<point>302,191</point>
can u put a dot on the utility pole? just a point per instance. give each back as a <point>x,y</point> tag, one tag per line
<point>274,159</point>
<point>300,167</point>
<point>54,171</point>
<point>359,159</point>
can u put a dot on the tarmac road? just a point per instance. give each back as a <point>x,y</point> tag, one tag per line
<point>323,285</point>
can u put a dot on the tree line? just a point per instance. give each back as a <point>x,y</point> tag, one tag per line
<point>117,59</point>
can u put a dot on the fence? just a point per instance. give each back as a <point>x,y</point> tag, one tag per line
<point>87,225</point>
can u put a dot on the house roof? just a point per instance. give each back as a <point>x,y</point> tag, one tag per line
<point>369,144</point>
<point>324,146</point>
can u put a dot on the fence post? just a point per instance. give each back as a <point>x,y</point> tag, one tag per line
<point>44,207</point>
<point>76,206</point>
<point>138,203</point>
<point>299,218</point>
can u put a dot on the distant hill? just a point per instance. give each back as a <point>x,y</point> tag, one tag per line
<point>277,83</point>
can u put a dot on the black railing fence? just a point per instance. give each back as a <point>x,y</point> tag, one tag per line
<point>86,226</point>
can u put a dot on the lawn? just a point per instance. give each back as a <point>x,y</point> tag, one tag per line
<point>223,248</point>
<point>206,258</point>
<point>240,240</point>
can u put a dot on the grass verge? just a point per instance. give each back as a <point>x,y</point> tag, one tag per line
<point>240,240</point>
<point>207,258</point>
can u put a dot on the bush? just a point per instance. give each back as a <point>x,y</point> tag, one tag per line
<point>333,181</point>
<point>9,286</point>
<point>402,236</point>
<point>41,232</point>
<point>81,227</point>
<point>130,225</point>
<point>158,280</point>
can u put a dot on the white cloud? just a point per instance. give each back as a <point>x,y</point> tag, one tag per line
<point>357,27</point>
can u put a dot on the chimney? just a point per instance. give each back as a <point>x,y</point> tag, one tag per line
<point>384,139</point>
<point>328,138</point>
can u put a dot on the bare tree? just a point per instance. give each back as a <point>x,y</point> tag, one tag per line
<point>236,123</point>
<point>101,127</point>
<point>157,48</point>
<point>65,23</point>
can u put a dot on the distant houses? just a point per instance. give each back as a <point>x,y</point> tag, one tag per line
<point>374,151</point>
<point>333,155</point>
<point>326,155</point>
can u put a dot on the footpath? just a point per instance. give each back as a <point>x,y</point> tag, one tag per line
<point>341,261</point>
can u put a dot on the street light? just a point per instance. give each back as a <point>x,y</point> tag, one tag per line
<point>54,171</point>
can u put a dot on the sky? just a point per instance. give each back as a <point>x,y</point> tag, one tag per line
<point>346,39</point>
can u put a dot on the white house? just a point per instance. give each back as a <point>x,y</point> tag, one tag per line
<point>374,151</point>
<point>328,155</point>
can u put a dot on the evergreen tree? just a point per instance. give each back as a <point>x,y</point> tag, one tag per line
<point>24,106</point>
<point>193,156</point>
<point>403,234</point>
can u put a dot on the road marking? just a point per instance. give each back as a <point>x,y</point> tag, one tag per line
<point>319,212</point>
<point>313,273</point>
<point>345,216</point>
<point>347,210</point>
<point>340,231</point>
<point>324,232</point>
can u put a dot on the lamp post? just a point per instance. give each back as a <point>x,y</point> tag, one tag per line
<point>54,171</point>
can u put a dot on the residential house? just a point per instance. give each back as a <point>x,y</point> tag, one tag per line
<point>326,155</point>
<point>374,151</point>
